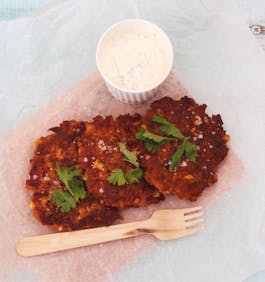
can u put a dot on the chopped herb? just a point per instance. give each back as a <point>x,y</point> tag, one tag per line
<point>152,141</point>
<point>63,199</point>
<point>117,177</point>
<point>191,151</point>
<point>152,147</point>
<point>176,158</point>
<point>66,174</point>
<point>75,188</point>
<point>168,128</point>
<point>135,175</point>
<point>128,156</point>
<point>154,137</point>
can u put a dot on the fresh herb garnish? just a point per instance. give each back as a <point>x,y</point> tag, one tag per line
<point>185,147</point>
<point>145,134</point>
<point>168,128</point>
<point>63,199</point>
<point>191,151</point>
<point>129,157</point>
<point>135,175</point>
<point>153,141</point>
<point>176,157</point>
<point>75,188</point>
<point>118,177</point>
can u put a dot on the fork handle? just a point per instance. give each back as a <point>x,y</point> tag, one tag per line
<point>55,242</point>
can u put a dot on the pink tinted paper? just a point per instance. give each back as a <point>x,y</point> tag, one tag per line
<point>92,263</point>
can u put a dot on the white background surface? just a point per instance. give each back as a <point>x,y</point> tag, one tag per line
<point>218,61</point>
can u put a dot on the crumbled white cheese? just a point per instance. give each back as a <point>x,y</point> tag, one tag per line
<point>46,177</point>
<point>183,164</point>
<point>101,145</point>
<point>35,176</point>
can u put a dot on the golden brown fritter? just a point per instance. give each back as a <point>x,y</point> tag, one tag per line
<point>61,147</point>
<point>99,155</point>
<point>92,147</point>
<point>189,179</point>
<point>89,213</point>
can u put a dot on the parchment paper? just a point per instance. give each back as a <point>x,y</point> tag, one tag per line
<point>218,61</point>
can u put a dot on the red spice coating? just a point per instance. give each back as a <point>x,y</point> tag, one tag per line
<point>189,179</point>
<point>99,155</point>
<point>62,147</point>
<point>93,147</point>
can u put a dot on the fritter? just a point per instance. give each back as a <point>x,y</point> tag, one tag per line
<point>89,213</point>
<point>99,155</point>
<point>92,147</point>
<point>62,147</point>
<point>189,179</point>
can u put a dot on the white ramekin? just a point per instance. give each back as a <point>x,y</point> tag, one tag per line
<point>135,96</point>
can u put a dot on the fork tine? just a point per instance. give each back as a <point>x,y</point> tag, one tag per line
<point>187,232</point>
<point>193,230</point>
<point>193,222</point>
<point>193,215</point>
<point>193,209</point>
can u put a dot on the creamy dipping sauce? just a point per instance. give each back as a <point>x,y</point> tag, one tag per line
<point>135,56</point>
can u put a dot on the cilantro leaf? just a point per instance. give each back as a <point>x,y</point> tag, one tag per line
<point>168,128</point>
<point>152,141</point>
<point>176,158</point>
<point>128,156</point>
<point>78,187</point>
<point>191,151</point>
<point>66,174</point>
<point>186,147</point>
<point>63,199</point>
<point>152,147</point>
<point>117,177</point>
<point>135,175</point>
<point>75,188</point>
<point>161,120</point>
<point>154,137</point>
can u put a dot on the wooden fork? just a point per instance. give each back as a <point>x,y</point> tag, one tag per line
<point>163,224</point>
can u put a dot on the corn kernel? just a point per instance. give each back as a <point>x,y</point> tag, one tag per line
<point>188,177</point>
<point>97,164</point>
